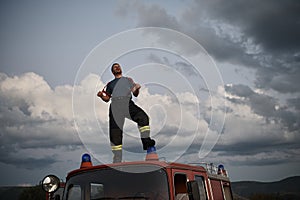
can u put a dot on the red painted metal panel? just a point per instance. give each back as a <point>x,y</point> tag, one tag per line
<point>216,189</point>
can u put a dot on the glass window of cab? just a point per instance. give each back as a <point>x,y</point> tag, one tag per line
<point>124,182</point>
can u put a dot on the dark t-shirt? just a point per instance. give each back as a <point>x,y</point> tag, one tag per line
<point>120,87</point>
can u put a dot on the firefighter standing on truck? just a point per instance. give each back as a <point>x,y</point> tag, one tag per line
<point>119,92</point>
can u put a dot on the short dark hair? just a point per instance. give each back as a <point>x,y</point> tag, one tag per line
<point>113,66</point>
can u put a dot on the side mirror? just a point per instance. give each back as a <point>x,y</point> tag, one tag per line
<point>193,190</point>
<point>50,183</point>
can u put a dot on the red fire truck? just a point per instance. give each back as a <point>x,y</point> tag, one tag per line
<point>149,179</point>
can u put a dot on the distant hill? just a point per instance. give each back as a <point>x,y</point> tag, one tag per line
<point>285,189</point>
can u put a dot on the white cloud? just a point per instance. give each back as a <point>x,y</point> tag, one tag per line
<point>37,123</point>
<point>44,118</point>
<point>34,116</point>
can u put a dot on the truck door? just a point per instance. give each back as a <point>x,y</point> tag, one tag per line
<point>217,190</point>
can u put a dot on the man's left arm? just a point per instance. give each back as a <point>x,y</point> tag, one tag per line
<point>135,89</point>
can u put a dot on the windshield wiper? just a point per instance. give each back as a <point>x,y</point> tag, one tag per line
<point>128,197</point>
<point>134,197</point>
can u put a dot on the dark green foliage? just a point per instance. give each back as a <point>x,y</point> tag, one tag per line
<point>33,193</point>
<point>10,193</point>
<point>265,197</point>
<point>287,189</point>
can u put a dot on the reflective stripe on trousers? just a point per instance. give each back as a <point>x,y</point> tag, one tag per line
<point>144,131</point>
<point>117,151</point>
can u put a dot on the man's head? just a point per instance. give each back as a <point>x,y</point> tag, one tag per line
<point>116,69</point>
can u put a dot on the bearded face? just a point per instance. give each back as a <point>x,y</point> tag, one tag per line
<point>116,70</point>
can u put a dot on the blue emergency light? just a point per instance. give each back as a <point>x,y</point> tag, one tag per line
<point>151,154</point>
<point>86,161</point>
<point>221,167</point>
<point>221,170</point>
<point>86,158</point>
<point>151,150</point>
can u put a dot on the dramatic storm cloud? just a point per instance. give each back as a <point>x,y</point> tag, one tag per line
<point>259,35</point>
<point>260,129</point>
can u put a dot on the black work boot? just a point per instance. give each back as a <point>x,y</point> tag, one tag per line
<point>148,142</point>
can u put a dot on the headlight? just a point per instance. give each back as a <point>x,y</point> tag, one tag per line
<point>51,183</point>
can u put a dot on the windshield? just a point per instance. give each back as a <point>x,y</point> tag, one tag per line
<point>126,182</point>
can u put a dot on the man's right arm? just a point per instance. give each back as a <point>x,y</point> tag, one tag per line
<point>105,97</point>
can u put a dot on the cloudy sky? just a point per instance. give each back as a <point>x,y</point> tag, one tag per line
<point>220,83</point>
